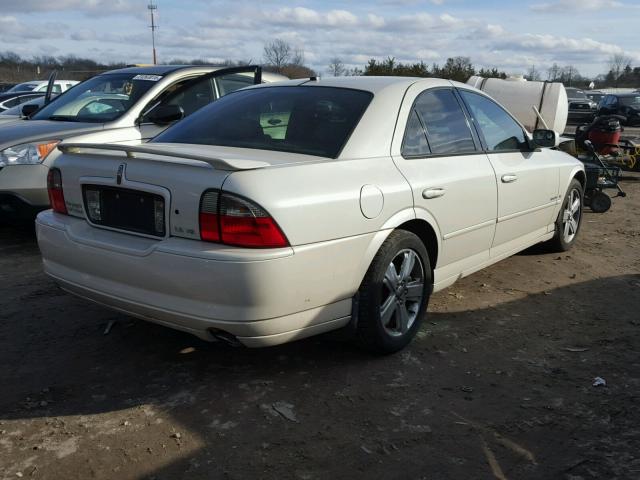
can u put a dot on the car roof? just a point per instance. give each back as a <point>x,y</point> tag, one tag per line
<point>371,84</point>
<point>627,94</point>
<point>157,69</point>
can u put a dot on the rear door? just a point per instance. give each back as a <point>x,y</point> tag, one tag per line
<point>527,179</point>
<point>452,180</point>
<point>199,92</point>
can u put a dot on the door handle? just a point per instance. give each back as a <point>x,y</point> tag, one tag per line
<point>509,177</point>
<point>433,193</point>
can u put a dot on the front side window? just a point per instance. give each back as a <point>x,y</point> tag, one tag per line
<point>191,95</point>
<point>445,123</point>
<point>302,119</point>
<point>194,93</point>
<point>100,99</point>
<point>500,130</point>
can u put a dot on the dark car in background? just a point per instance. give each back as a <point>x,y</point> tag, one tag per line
<point>4,86</point>
<point>624,104</point>
<point>595,95</point>
<point>581,108</point>
<point>12,99</point>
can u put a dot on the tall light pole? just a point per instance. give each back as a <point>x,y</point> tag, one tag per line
<point>152,8</point>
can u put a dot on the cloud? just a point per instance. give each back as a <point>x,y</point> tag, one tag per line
<point>575,6</point>
<point>307,17</point>
<point>12,30</point>
<point>408,30</point>
<point>100,7</point>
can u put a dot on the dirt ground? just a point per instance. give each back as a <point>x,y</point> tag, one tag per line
<point>498,384</point>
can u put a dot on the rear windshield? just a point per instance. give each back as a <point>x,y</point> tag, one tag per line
<point>308,120</point>
<point>23,87</point>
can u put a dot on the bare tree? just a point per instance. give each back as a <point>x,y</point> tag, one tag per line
<point>617,64</point>
<point>533,74</point>
<point>553,72</point>
<point>298,58</point>
<point>336,67</point>
<point>277,53</point>
<point>569,74</point>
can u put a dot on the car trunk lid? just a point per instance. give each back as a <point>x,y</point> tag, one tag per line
<point>152,190</point>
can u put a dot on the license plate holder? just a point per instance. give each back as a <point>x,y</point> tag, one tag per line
<point>125,209</point>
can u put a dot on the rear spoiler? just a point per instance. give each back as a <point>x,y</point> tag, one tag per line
<point>139,151</point>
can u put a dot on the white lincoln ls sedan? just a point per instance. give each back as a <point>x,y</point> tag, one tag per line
<point>294,208</point>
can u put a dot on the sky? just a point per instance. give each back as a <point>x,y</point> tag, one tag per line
<point>508,35</point>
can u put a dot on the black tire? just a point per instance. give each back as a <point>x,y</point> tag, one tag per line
<point>600,202</point>
<point>371,332</point>
<point>560,243</point>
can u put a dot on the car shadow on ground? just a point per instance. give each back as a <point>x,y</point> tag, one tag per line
<point>502,389</point>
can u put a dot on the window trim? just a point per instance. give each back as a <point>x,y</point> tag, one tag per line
<point>485,146</point>
<point>479,149</point>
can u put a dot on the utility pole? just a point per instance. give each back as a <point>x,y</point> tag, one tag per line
<point>152,8</point>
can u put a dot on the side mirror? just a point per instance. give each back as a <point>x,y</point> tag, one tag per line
<point>28,110</point>
<point>165,114</point>
<point>545,138</point>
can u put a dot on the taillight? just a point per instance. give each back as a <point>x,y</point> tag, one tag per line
<point>209,227</point>
<point>54,187</point>
<point>236,221</point>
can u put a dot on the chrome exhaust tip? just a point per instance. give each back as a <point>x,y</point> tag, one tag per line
<point>225,337</point>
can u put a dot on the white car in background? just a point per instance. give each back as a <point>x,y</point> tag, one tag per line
<point>287,210</point>
<point>128,106</point>
<point>59,86</point>
<point>16,113</point>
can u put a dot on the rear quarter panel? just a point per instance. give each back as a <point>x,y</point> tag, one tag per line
<point>322,201</point>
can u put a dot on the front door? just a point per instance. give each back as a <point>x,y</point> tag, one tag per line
<point>527,179</point>
<point>199,92</point>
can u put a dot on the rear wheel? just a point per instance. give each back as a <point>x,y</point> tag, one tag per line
<point>394,294</point>
<point>569,219</point>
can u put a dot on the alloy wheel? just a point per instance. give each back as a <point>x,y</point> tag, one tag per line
<point>571,216</point>
<point>402,292</point>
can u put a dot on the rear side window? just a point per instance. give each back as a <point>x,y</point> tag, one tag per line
<point>303,119</point>
<point>446,126</point>
<point>500,130</point>
<point>415,139</point>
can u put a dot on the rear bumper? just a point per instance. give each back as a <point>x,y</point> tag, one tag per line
<point>262,297</point>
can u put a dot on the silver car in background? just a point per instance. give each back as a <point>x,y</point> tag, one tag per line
<point>126,106</point>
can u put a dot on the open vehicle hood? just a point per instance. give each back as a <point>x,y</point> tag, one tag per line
<point>15,133</point>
